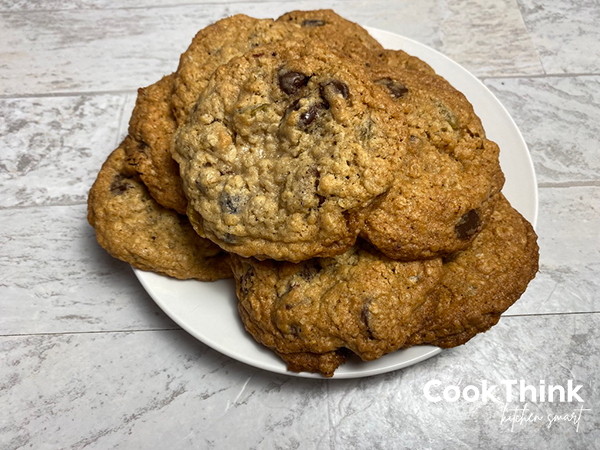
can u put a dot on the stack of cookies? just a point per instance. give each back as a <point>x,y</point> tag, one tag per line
<point>349,190</point>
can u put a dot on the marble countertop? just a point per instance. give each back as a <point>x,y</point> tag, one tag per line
<point>88,360</point>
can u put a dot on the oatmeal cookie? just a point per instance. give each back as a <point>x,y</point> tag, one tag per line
<point>151,128</point>
<point>446,189</point>
<point>399,59</point>
<point>134,228</point>
<point>330,28</point>
<point>285,147</point>
<point>482,282</point>
<point>218,43</point>
<point>311,313</point>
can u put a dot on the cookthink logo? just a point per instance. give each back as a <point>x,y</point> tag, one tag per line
<point>507,392</point>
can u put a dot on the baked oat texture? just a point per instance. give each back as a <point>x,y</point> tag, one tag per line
<point>330,28</point>
<point>311,313</point>
<point>153,121</point>
<point>134,228</point>
<point>214,46</point>
<point>151,129</point>
<point>218,43</point>
<point>482,282</point>
<point>399,59</point>
<point>448,184</point>
<point>285,147</point>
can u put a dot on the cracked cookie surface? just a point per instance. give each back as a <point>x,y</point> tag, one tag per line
<point>480,283</point>
<point>447,186</point>
<point>313,312</point>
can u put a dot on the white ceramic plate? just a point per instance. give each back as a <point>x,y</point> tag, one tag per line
<point>208,311</point>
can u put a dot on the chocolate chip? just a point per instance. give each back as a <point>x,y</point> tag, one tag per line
<point>246,281</point>
<point>142,146</point>
<point>335,87</point>
<point>313,23</point>
<point>308,116</point>
<point>395,88</point>
<point>365,315</point>
<point>230,204</point>
<point>468,225</point>
<point>291,82</point>
<point>120,185</point>
<point>309,270</point>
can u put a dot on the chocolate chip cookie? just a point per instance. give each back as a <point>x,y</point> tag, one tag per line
<point>218,43</point>
<point>326,26</point>
<point>480,283</point>
<point>284,148</point>
<point>151,128</point>
<point>399,59</point>
<point>134,228</point>
<point>313,312</point>
<point>447,186</point>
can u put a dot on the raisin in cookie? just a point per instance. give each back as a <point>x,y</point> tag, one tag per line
<point>151,128</point>
<point>134,228</point>
<point>313,312</point>
<point>447,186</point>
<point>482,282</point>
<point>285,147</point>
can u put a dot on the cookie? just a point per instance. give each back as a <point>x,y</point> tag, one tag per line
<point>313,312</point>
<point>218,43</point>
<point>285,147</point>
<point>214,46</point>
<point>151,128</point>
<point>399,59</point>
<point>447,186</point>
<point>134,228</point>
<point>328,27</point>
<point>480,283</point>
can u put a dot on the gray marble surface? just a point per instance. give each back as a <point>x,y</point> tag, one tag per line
<point>87,360</point>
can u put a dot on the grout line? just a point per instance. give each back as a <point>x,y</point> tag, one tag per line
<point>47,205</point>
<point>573,313</point>
<point>546,185</point>
<point>544,75</point>
<point>134,91</point>
<point>87,332</point>
<point>68,333</point>
<point>126,8</point>
<point>67,94</point>
<point>569,184</point>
